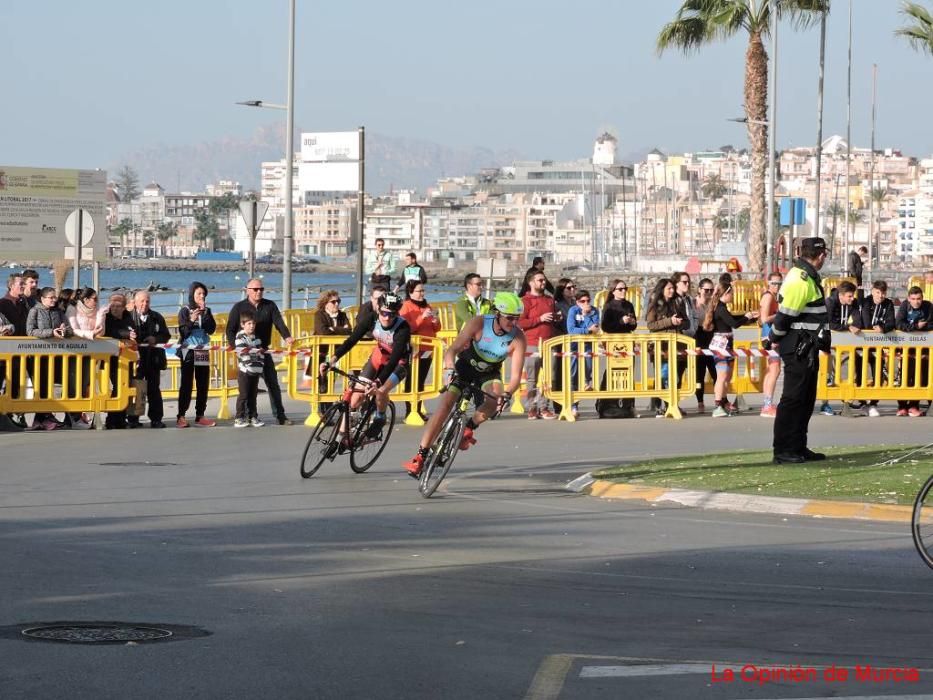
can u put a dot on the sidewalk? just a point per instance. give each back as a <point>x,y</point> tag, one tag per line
<point>771,505</point>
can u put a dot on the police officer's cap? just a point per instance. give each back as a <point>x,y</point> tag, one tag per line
<point>811,247</point>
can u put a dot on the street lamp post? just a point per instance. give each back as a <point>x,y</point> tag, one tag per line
<point>289,107</point>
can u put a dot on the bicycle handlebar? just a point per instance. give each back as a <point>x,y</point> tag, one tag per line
<point>352,378</point>
<point>503,400</point>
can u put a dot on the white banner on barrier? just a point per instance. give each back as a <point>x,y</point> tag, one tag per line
<point>63,346</point>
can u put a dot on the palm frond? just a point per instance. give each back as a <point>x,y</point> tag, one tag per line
<point>699,22</point>
<point>919,34</point>
<point>803,14</point>
<point>687,34</point>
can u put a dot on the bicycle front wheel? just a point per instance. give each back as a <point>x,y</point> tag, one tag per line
<point>922,522</point>
<point>367,444</point>
<point>322,444</point>
<point>442,454</point>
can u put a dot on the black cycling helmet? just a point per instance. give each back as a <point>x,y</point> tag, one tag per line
<point>390,301</point>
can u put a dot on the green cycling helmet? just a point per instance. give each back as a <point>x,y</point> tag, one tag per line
<point>508,303</point>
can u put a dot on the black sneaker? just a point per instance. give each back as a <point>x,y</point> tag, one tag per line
<point>374,431</point>
<point>285,420</point>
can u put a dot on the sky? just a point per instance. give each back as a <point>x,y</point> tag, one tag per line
<point>84,83</point>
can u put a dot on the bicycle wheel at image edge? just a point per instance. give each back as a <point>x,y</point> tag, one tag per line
<point>442,456</point>
<point>922,522</point>
<point>366,450</point>
<point>319,446</point>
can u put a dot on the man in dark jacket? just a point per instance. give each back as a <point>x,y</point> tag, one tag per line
<point>267,315</point>
<point>855,265</point>
<point>150,329</point>
<point>915,315</point>
<point>877,315</point>
<point>15,310</point>
<point>117,324</point>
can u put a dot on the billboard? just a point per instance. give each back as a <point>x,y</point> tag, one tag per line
<point>329,164</point>
<point>330,147</point>
<point>34,204</point>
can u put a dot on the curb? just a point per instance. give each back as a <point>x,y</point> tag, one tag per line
<point>772,505</point>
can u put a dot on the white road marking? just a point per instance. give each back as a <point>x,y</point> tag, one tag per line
<point>650,670</point>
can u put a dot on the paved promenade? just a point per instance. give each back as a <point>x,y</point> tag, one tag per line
<point>504,586</point>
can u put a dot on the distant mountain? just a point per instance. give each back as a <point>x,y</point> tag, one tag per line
<point>391,162</point>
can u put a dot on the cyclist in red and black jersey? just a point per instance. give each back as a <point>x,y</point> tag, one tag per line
<point>388,363</point>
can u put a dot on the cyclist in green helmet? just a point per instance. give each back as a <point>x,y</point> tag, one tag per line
<point>476,355</point>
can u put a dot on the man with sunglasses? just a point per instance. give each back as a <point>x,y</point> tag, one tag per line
<point>476,355</point>
<point>267,315</point>
<point>387,364</point>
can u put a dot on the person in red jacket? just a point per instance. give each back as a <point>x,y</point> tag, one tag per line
<point>424,322</point>
<point>537,321</point>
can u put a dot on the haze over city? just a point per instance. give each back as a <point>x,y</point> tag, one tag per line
<point>86,84</point>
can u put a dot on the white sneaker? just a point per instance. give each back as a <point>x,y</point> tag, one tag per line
<point>255,422</point>
<point>873,412</point>
<point>241,423</point>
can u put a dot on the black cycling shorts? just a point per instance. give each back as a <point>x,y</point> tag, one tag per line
<point>400,372</point>
<point>469,374</point>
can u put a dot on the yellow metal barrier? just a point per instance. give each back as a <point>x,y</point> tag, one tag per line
<point>746,295</point>
<point>57,371</point>
<point>917,281</point>
<point>222,384</point>
<point>633,295</point>
<point>877,366</point>
<point>310,350</point>
<point>632,365</point>
<point>830,283</point>
<point>748,370</point>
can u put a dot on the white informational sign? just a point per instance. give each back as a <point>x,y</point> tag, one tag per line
<point>865,339</point>
<point>329,162</point>
<point>330,146</point>
<point>87,228</point>
<point>59,346</point>
<point>35,203</point>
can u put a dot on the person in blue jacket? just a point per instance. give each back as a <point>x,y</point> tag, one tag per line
<point>582,319</point>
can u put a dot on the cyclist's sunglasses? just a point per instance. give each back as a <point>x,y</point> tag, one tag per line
<point>511,317</point>
<point>387,312</point>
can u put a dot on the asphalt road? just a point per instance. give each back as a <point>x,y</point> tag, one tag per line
<point>504,585</point>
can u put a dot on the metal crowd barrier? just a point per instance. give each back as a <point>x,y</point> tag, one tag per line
<point>222,384</point>
<point>311,350</point>
<point>624,366</point>
<point>56,369</point>
<point>872,366</point>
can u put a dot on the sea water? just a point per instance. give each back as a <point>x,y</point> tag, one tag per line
<point>226,288</point>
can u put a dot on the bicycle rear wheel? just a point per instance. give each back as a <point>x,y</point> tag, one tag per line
<point>442,454</point>
<point>922,522</point>
<point>322,444</point>
<point>366,449</point>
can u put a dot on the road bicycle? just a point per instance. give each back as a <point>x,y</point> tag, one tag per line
<point>922,522</point>
<point>343,429</point>
<point>447,443</point>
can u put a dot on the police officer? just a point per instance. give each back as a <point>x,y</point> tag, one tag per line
<point>801,331</point>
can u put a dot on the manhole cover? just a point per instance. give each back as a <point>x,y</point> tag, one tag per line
<point>100,632</point>
<point>138,464</point>
<point>96,634</point>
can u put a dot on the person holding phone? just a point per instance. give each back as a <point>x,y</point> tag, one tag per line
<point>665,314</point>
<point>196,324</point>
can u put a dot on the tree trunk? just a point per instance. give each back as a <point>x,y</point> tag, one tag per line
<point>756,105</point>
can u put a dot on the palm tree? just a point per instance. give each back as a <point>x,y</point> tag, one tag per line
<point>713,187</point>
<point>835,210</point>
<point>123,230</point>
<point>207,228</point>
<point>700,22</point>
<point>919,33</point>
<point>165,231</point>
<point>878,196</point>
